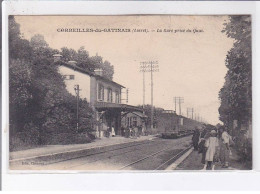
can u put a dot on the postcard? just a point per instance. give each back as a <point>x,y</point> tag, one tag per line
<point>130,93</point>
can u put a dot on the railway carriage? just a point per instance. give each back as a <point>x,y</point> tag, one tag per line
<point>175,126</point>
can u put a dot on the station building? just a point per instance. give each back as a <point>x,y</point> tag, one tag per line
<point>104,95</point>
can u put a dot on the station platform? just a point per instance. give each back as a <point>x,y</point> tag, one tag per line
<point>51,150</point>
<point>193,162</point>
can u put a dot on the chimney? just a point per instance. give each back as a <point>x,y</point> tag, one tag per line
<point>57,57</point>
<point>73,63</point>
<point>98,72</point>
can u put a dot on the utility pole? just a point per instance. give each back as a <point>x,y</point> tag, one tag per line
<point>175,103</point>
<point>190,110</point>
<point>76,88</point>
<point>150,66</point>
<point>142,69</point>
<point>179,100</point>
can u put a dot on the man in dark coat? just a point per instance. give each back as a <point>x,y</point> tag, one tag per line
<point>196,138</point>
<point>202,149</point>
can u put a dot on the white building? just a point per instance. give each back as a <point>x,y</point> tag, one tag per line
<point>104,95</point>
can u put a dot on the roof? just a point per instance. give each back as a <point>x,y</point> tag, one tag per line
<point>140,114</point>
<point>87,72</point>
<point>108,80</point>
<point>168,112</point>
<point>75,68</point>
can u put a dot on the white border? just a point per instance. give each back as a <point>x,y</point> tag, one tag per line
<point>133,181</point>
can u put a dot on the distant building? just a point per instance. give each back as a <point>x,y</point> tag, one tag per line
<point>133,119</point>
<point>104,95</point>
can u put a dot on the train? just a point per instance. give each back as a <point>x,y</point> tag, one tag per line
<point>176,126</point>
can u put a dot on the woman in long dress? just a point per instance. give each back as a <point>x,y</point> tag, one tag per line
<point>224,147</point>
<point>211,144</point>
<point>113,133</point>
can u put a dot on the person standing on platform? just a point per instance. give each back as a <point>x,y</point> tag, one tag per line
<point>131,131</point>
<point>224,147</point>
<point>144,130</point>
<point>127,132</point>
<point>212,145</point>
<point>113,134</point>
<point>202,149</point>
<point>139,130</point>
<point>196,138</point>
<point>108,132</point>
<point>135,131</point>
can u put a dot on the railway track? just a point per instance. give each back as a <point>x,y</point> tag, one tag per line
<point>172,159</point>
<point>110,156</point>
<point>141,151</point>
<point>161,166</point>
<point>105,151</point>
<point>119,152</point>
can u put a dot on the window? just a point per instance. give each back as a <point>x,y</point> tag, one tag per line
<point>129,119</point>
<point>68,77</point>
<point>100,92</point>
<point>72,77</point>
<point>109,95</point>
<point>134,121</point>
<point>117,97</point>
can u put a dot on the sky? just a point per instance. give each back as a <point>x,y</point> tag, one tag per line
<point>190,53</point>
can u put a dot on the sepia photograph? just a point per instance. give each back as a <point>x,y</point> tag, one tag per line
<point>161,93</point>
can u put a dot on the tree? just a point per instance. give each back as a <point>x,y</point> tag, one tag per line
<point>236,94</point>
<point>108,70</point>
<point>68,54</point>
<point>18,48</point>
<point>37,41</point>
<point>81,56</point>
<point>147,111</point>
<point>40,105</point>
<point>19,94</point>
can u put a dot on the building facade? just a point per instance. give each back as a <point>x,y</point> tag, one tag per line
<point>104,95</point>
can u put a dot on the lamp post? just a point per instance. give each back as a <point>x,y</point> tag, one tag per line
<point>76,88</point>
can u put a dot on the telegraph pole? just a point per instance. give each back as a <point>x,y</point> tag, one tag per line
<point>143,90</point>
<point>143,70</point>
<point>175,103</point>
<point>152,95</point>
<point>179,106</point>
<point>180,100</point>
<point>76,88</point>
<point>190,110</point>
<point>150,66</point>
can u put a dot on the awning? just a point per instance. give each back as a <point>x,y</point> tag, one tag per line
<point>102,106</point>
